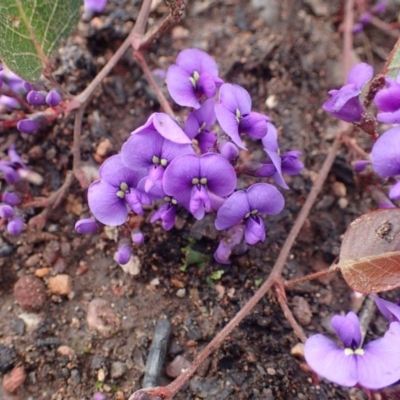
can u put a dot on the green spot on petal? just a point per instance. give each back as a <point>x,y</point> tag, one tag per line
<point>195,181</point>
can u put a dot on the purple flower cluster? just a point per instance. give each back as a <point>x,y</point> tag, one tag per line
<point>372,366</point>
<point>194,165</point>
<point>11,83</point>
<point>365,18</point>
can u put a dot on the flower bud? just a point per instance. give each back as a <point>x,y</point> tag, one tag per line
<point>124,252</point>
<point>6,211</point>
<point>53,98</point>
<point>15,226</point>
<point>359,166</point>
<point>86,225</point>
<point>36,98</point>
<point>27,126</point>
<point>137,236</point>
<point>11,198</point>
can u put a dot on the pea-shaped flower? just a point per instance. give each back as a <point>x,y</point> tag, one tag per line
<point>373,366</point>
<point>111,197</point>
<point>247,206</point>
<point>194,76</point>
<point>198,183</point>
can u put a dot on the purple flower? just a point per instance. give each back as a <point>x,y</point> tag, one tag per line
<point>235,116</point>
<point>199,123</point>
<point>373,366</point>
<point>388,101</point>
<point>10,198</point>
<point>36,98</point>
<point>385,158</point>
<point>167,127</point>
<point>232,240</point>
<point>283,163</point>
<point>111,197</point>
<point>344,103</point>
<point>137,236</point>
<point>360,165</point>
<point>166,213</point>
<point>53,98</point>
<point>151,153</point>
<point>27,126</point>
<point>379,8</point>
<point>193,77</point>
<point>124,252</point>
<point>95,5</point>
<point>6,211</point>
<point>86,225</point>
<point>260,198</point>
<point>389,310</point>
<point>194,181</point>
<point>15,226</point>
<point>13,169</point>
<point>9,102</point>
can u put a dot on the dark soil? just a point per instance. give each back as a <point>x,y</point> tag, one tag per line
<point>288,52</point>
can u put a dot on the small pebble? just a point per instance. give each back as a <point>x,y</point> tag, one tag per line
<point>301,310</point>
<point>297,350</point>
<point>42,272</point>
<point>32,261</point>
<point>14,380</point>
<point>118,369</point>
<point>339,189</point>
<point>343,202</point>
<point>177,366</point>
<point>132,267</point>
<point>65,351</point>
<point>181,293</point>
<point>31,321</point>
<point>30,293</point>
<point>60,284</point>
<point>101,375</point>
<point>102,318</point>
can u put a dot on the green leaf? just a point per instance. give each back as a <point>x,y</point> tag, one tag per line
<point>215,276</point>
<point>31,31</point>
<point>392,66</point>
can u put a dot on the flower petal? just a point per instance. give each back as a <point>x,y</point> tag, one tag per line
<point>380,365</point>
<point>389,310</point>
<point>388,99</point>
<point>348,329</point>
<point>181,88</point>
<point>330,362</point>
<point>233,237</point>
<point>270,140</point>
<point>265,198</point>
<point>360,74</point>
<point>385,154</point>
<point>255,230</point>
<point>389,117</point>
<point>229,124</point>
<point>221,176</point>
<point>254,125</point>
<point>105,205</point>
<point>169,129</point>
<point>232,211</point>
<point>394,192</point>
<point>197,60</point>
<point>234,97</point>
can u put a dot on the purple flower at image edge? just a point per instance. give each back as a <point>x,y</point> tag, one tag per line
<point>373,366</point>
<point>261,198</point>
<point>388,101</point>
<point>234,114</point>
<point>385,158</point>
<point>193,76</point>
<point>345,103</point>
<point>389,310</point>
<point>95,5</point>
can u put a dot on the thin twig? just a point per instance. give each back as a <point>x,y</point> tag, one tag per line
<point>160,96</point>
<point>76,148</point>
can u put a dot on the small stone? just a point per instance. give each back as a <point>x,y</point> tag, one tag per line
<point>297,350</point>
<point>18,326</point>
<point>339,189</point>
<point>179,32</point>
<point>14,380</point>
<point>271,371</point>
<point>32,261</point>
<point>30,293</point>
<point>177,283</point>
<point>181,293</point>
<point>35,153</point>
<point>343,203</point>
<point>132,267</point>
<point>301,310</point>
<point>51,251</point>
<point>42,272</point>
<point>60,284</point>
<point>31,321</point>
<point>104,148</point>
<point>8,358</point>
<point>177,366</point>
<point>118,369</point>
<point>65,351</point>
<point>101,375</point>
<point>102,318</point>
<point>75,377</point>
<point>271,101</point>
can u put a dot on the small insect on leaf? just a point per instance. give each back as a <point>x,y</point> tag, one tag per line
<point>370,253</point>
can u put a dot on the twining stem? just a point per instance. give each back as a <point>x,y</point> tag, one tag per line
<point>76,149</point>
<point>161,98</point>
<point>310,277</point>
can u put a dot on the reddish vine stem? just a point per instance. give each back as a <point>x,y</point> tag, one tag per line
<point>310,277</point>
<point>297,329</point>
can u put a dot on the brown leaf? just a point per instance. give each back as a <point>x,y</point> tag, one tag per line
<point>370,253</point>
